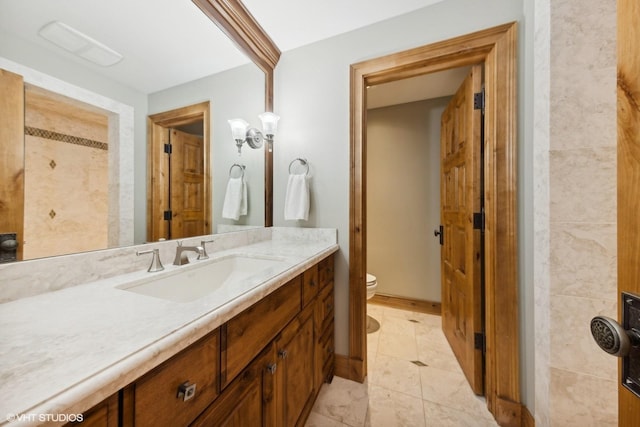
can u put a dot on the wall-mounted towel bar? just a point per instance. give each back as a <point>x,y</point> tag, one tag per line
<point>302,161</point>
<point>237,165</point>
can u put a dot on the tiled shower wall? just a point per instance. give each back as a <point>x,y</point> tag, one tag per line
<point>581,379</point>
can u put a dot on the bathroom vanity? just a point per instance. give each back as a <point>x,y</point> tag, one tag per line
<point>258,358</point>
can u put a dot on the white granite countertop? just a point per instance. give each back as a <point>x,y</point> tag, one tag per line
<point>63,352</point>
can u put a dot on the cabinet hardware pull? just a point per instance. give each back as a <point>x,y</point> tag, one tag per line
<point>186,391</point>
<point>312,283</point>
<point>283,354</point>
<point>271,367</point>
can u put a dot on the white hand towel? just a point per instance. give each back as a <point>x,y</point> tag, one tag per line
<point>296,201</point>
<point>235,199</point>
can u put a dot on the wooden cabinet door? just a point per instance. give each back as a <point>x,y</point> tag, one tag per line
<point>249,400</point>
<point>295,373</point>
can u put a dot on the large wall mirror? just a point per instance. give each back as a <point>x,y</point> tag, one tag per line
<point>173,56</point>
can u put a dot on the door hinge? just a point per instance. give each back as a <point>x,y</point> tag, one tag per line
<point>478,221</point>
<point>168,148</point>
<point>478,100</point>
<point>479,342</point>
<point>168,215</point>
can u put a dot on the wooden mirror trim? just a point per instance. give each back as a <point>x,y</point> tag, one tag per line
<point>497,48</point>
<point>233,18</point>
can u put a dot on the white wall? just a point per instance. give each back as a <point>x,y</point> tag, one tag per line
<point>403,198</point>
<point>312,97</point>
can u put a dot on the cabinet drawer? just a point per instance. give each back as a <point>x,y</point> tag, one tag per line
<point>324,309</point>
<point>309,285</point>
<point>244,336</point>
<point>325,271</point>
<point>157,400</point>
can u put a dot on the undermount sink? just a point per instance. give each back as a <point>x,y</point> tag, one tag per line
<point>226,275</point>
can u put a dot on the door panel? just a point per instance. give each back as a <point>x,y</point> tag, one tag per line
<point>628,174</point>
<point>460,198</point>
<point>187,185</point>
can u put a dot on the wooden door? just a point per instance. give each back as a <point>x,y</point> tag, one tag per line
<point>460,199</point>
<point>12,156</point>
<point>628,174</point>
<point>187,185</point>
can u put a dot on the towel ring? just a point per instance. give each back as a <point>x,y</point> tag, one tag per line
<point>302,161</point>
<point>237,165</point>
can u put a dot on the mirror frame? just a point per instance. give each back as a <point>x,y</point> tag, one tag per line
<point>233,18</point>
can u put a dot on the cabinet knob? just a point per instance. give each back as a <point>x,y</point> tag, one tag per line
<point>283,354</point>
<point>186,391</point>
<point>271,367</point>
<point>312,283</point>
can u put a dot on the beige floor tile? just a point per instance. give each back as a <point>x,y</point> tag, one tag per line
<point>397,392</point>
<point>399,346</point>
<point>344,401</point>
<point>395,374</point>
<point>443,416</point>
<point>397,326</point>
<point>451,389</point>
<point>433,338</point>
<point>389,408</point>
<point>437,359</point>
<point>318,420</point>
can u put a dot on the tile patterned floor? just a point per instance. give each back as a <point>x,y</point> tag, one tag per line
<point>397,391</point>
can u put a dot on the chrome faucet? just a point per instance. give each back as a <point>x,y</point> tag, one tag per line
<point>156,264</point>
<point>181,257</point>
<point>204,254</point>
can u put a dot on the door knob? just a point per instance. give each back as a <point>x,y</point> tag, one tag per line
<point>612,337</point>
<point>439,232</point>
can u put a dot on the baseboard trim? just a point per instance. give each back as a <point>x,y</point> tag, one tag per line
<point>508,413</point>
<point>527,418</point>
<point>350,369</point>
<point>421,306</point>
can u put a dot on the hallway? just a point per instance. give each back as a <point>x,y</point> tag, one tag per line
<point>399,392</point>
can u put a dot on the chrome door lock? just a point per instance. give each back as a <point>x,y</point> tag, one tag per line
<point>622,340</point>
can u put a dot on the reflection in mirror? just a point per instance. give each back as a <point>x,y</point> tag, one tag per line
<point>171,58</point>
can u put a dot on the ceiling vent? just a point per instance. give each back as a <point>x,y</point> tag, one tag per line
<point>79,44</point>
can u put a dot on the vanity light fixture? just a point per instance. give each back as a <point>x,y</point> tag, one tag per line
<point>270,126</point>
<point>79,44</point>
<point>242,133</point>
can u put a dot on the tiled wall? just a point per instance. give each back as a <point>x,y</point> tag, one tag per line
<point>581,379</point>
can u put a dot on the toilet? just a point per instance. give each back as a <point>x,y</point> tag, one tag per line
<point>372,284</point>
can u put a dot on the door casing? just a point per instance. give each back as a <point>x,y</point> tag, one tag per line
<point>497,48</point>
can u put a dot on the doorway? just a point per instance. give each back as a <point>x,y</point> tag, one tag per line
<point>178,183</point>
<point>496,48</point>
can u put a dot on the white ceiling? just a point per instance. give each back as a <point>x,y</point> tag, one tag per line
<point>164,42</point>
<point>295,23</point>
<point>169,42</point>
